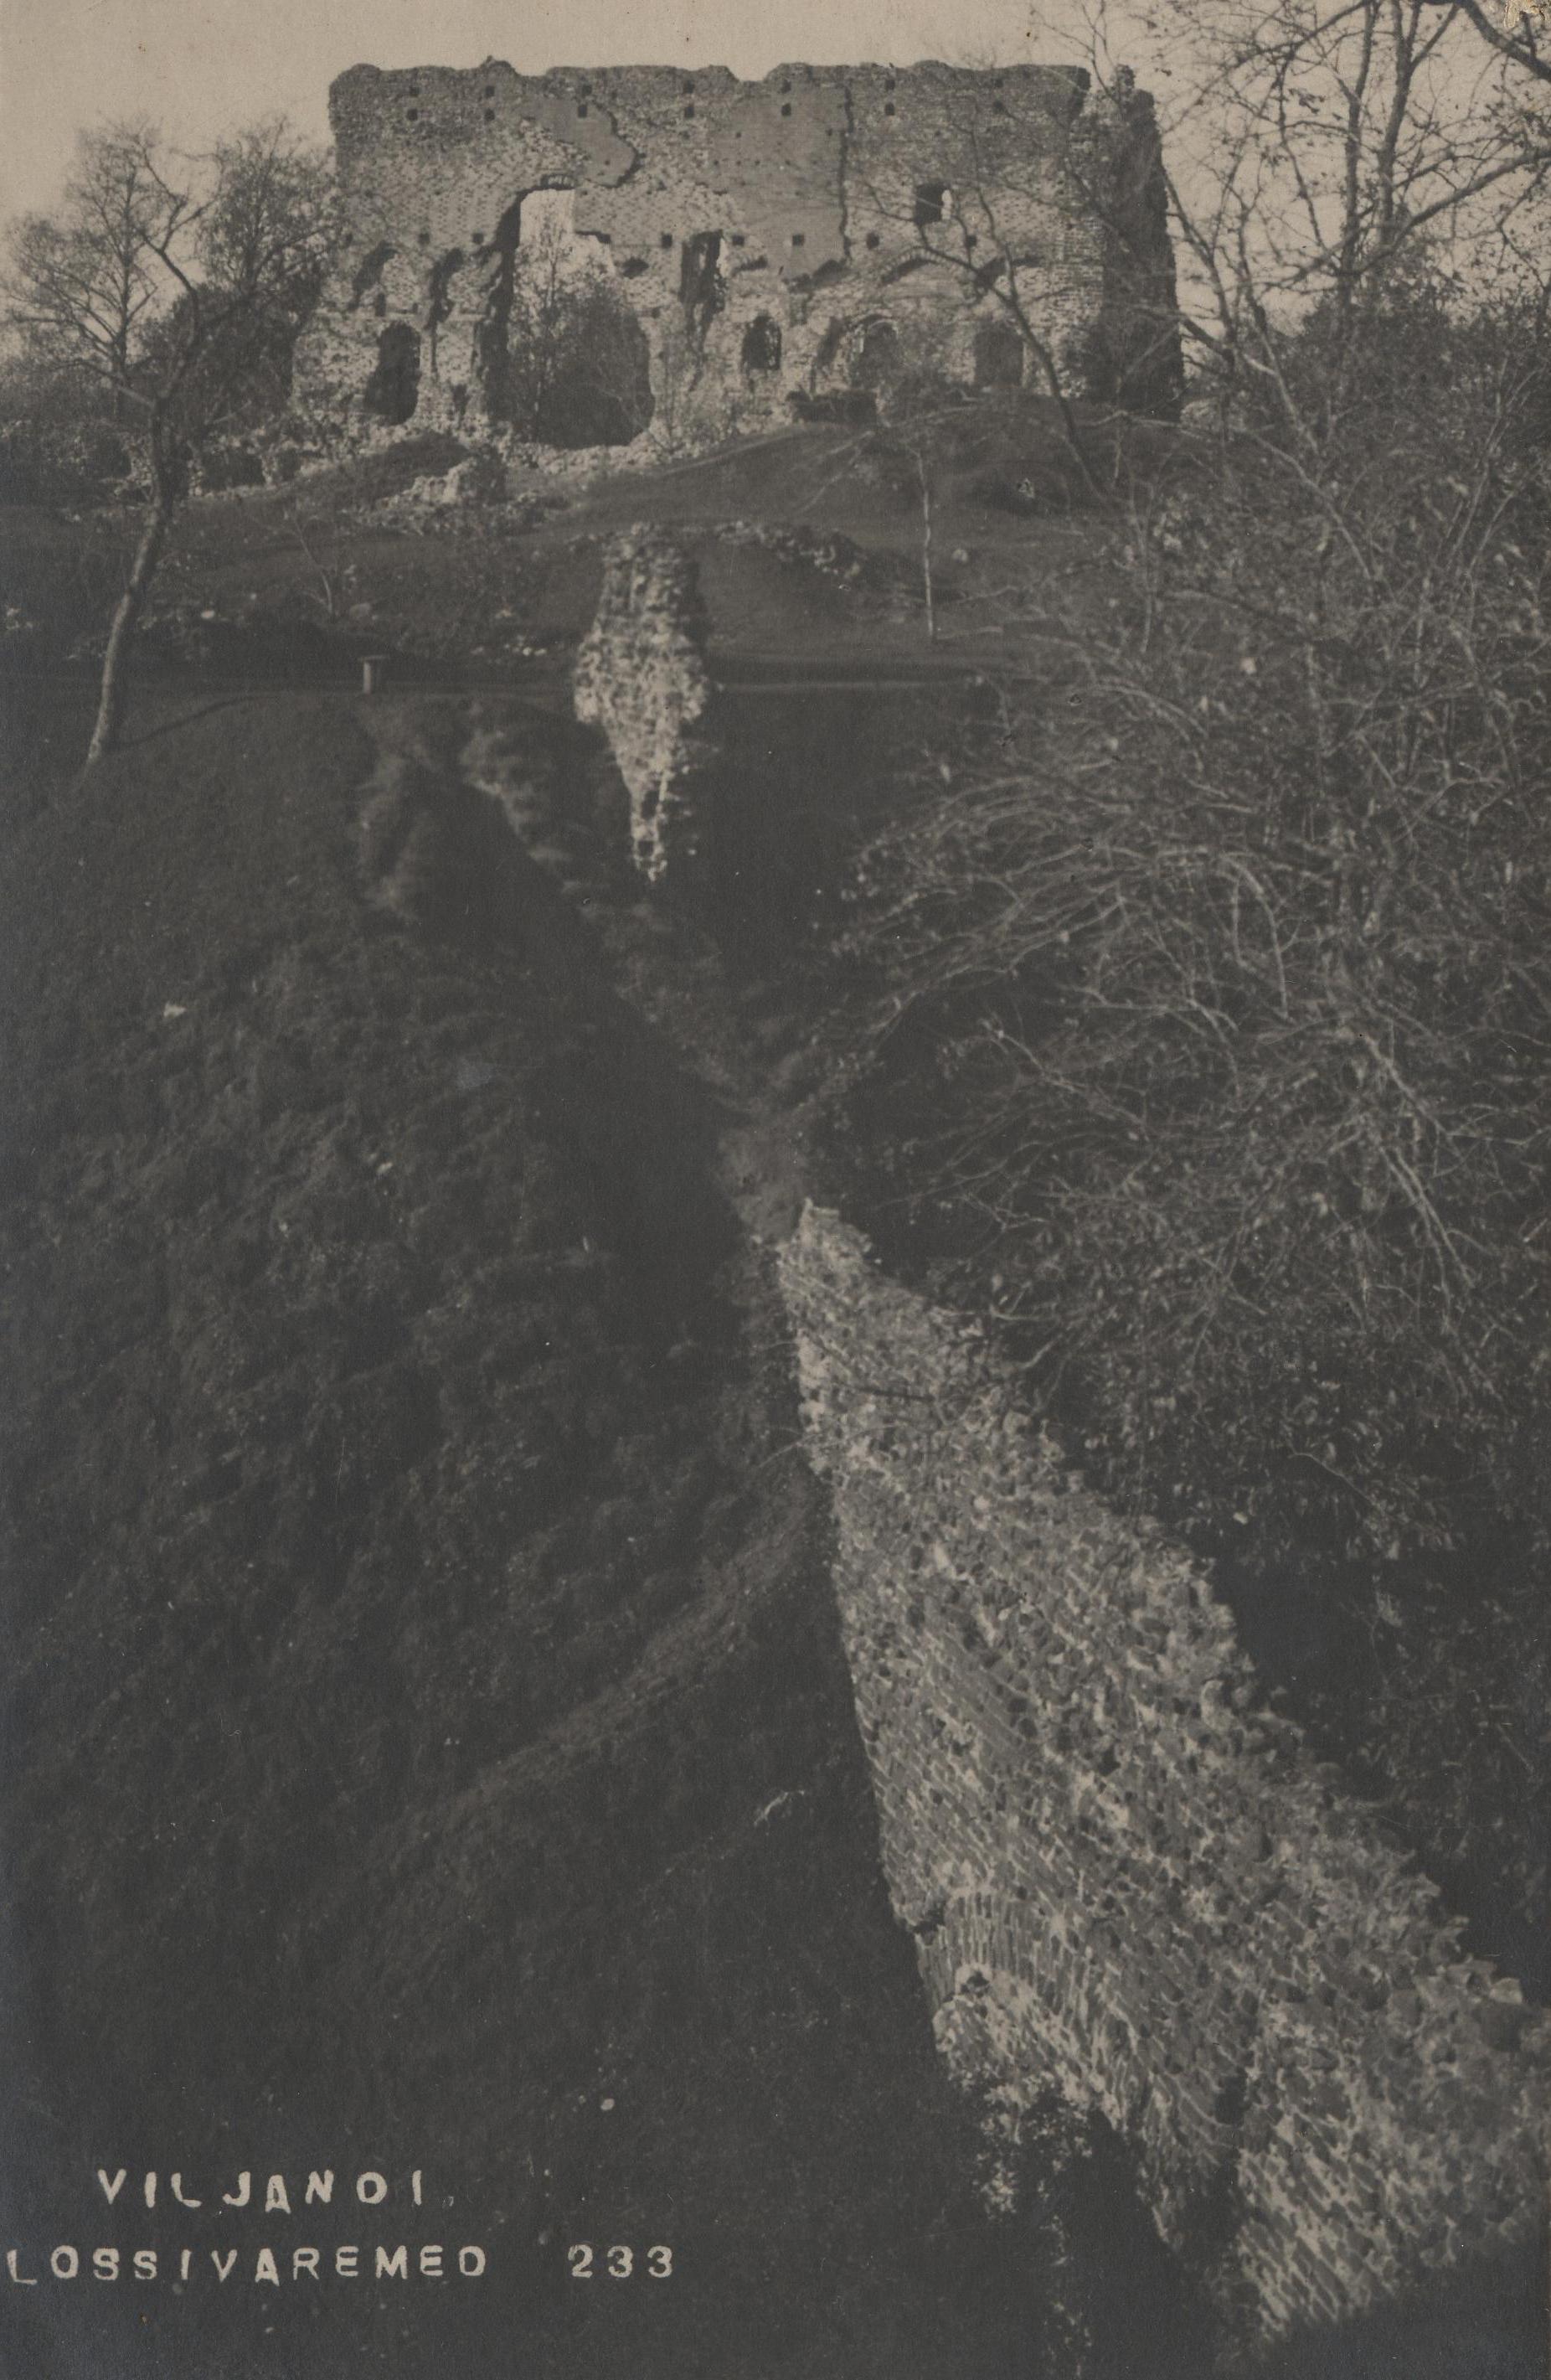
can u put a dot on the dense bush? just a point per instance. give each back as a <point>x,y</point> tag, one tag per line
<point>1216,1011</point>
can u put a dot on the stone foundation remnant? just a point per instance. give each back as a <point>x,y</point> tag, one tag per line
<point>641,675</point>
<point>766,241</point>
<point>1124,1877</point>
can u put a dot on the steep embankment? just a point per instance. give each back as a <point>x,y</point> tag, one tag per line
<point>1121,1873</point>
<point>429,1741</point>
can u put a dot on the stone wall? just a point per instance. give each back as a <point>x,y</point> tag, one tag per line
<point>641,675</point>
<point>760,231</point>
<point>1124,1875</point>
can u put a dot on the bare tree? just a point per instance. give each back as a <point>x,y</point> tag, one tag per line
<point>1215,1001</point>
<point>1316,151</point>
<point>1030,227</point>
<point>177,285</point>
<point>79,283</point>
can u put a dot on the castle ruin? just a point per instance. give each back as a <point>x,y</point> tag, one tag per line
<point>765,243</point>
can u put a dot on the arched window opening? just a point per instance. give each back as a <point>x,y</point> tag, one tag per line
<point>998,356</point>
<point>559,353</point>
<point>393,390</point>
<point>761,349</point>
<point>702,292</point>
<point>878,358</point>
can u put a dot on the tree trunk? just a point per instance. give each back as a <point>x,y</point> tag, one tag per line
<point>927,588</point>
<point>131,603</point>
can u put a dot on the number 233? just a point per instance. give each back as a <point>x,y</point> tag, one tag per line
<point>618,2262</point>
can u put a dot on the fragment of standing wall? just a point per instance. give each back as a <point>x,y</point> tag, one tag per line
<point>640,676</point>
<point>1126,1878</point>
<point>713,205</point>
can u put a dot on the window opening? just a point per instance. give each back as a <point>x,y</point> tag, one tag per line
<point>700,287</point>
<point>393,390</point>
<point>762,348</point>
<point>879,357</point>
<point>998,356</point>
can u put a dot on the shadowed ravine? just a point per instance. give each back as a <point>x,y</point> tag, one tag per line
<point>431,1744</point>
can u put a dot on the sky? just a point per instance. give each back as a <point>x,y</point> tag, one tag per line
<point>200,68</point>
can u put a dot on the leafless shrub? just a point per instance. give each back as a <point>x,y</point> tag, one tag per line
<point>1213,1045</point>
<point>1239,977</point>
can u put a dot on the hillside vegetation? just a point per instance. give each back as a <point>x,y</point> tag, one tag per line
<point>425,1646</point>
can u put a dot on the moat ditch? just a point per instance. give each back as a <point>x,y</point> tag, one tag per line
<point>429,1740</point>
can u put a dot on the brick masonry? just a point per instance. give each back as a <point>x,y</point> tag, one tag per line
<point>761,231</point>
<point>1123,1874</point>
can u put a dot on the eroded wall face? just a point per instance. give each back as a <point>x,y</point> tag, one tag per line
<point>641,675</point>
<point>1121,1876</point>
<point>807,186</point>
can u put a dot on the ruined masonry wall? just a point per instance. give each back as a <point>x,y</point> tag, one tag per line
<point>807,180</point>
<point>1121,1874</point>
<point>641,675</point>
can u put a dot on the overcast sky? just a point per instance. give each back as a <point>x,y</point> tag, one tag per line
<point>200,67</point>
